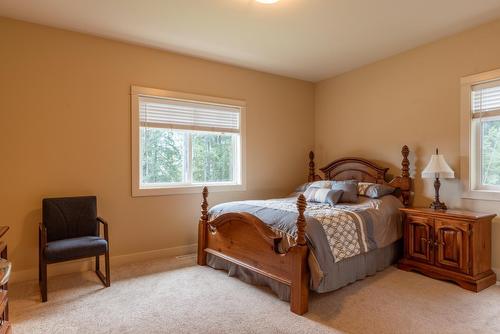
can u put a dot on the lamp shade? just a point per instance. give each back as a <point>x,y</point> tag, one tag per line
<point>438,167</point>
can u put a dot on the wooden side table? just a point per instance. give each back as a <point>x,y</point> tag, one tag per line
<point>452,245</point>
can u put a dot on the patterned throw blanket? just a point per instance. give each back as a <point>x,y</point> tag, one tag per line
<point>348,230</point>
<point>333,233</point>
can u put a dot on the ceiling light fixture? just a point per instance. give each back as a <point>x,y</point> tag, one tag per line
<point>267,1</point>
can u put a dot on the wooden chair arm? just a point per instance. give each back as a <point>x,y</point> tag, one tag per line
<point>105,224</point>
<point>42,233</point>
<point>102,221</point>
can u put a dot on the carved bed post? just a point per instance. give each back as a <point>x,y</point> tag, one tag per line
<point>405,174</point>
<point>405,164</point>
<point>300,272</point>
<point>301,220</point>
<point>202,229</point>
<point>312,173</point>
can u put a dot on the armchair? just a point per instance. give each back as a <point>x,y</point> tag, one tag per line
<point>70,230</point>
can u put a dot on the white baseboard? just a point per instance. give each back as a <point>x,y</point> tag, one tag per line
<point>63,268</point>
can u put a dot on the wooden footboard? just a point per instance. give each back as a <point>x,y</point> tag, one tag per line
<point>245,240</point>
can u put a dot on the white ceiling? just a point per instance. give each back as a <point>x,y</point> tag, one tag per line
<point>305,39</point>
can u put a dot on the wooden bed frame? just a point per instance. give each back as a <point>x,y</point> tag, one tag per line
<point>245,240</point>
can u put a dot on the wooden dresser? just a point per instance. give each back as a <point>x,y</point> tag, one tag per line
<point>451,245</point>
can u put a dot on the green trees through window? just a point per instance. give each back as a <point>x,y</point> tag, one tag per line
<point>162,156</point>
<point>213,156</point>
<point>490,154</point>
<point>184,157</point>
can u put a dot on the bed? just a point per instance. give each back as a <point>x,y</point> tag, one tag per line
<point>293,246</point>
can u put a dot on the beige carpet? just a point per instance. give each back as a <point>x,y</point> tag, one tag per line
<point>176,296</point>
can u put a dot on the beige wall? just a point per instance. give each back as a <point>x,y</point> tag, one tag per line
<point>65,130</point>
<point>414,99</point>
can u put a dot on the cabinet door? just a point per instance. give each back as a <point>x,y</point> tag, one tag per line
<point>451,245</point>
<point>419,238</point>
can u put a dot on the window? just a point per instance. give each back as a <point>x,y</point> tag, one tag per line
<point>481,115</point>
<point>486,125</point>
<point>182,142</point>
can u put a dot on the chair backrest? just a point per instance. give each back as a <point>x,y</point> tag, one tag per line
<point>69,217</point>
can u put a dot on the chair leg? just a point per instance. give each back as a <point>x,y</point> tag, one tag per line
<point>39,258</point>
<point>108,271</point>
<point>43,280</point>
<point>105,280</point>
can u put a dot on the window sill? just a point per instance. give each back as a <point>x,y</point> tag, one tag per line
<point>197,189</point>
<point>485,195</point>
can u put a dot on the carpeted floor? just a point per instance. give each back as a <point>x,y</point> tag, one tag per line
<point>176,296</point>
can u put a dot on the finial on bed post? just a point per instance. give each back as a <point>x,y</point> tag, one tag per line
<point>311,167</point>
<point>405,174</point>
<point>202,229</point>
<point>204,205</point>
<point>301,220</point>
<point>405,163</point>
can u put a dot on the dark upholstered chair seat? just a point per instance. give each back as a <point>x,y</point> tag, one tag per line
<point>74,248</point>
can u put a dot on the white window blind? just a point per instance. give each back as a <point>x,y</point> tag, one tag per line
<point>486,99</point>
<point>188,115</point>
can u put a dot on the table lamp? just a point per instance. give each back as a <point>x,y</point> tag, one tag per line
<point>437,168</point>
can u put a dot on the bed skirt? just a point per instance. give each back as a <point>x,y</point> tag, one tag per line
<point>339,274</point>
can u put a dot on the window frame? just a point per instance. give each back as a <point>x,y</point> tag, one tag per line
<point>137,190</point>
<point>470,141</point>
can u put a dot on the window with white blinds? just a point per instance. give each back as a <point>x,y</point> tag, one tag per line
<point>188,115</point>
<point>182,142</point>
<point>485,135</point>
<point>486,99</point>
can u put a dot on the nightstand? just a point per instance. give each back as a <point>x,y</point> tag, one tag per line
<point>452,245</point>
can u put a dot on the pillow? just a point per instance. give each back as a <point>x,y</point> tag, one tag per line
<point>321,184</point>
<point>303,187</point>
<point>317,185</point>
<point>324,195</point>
<point>349,188</point>
<point>374,190</point>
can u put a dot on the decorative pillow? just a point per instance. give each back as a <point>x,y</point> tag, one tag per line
<point>374,190</point>
<point>324,195</point>
<point>349,188</point>
<point>317,185</point>
<point>303,187</point>
<point>321,184</point>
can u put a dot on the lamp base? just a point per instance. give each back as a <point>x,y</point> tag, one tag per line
<point>436,205</point>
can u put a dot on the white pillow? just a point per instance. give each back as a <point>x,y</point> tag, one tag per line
<point>321,184</point>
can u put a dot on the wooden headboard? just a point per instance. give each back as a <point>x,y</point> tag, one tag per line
<point>365,171</point>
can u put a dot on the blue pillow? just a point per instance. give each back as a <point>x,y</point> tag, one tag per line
<point>349,188</point>
<point>374,190</point>
<point>323,195</point>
